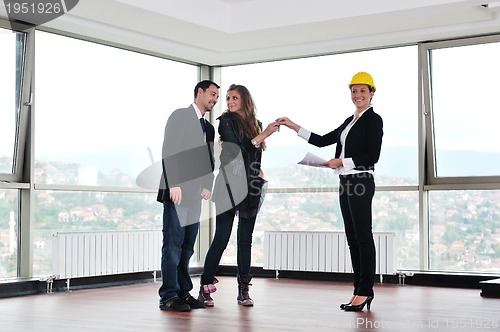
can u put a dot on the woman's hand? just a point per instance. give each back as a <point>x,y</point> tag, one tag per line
<point>272,128</point>
<point>289,123</point>
<point>333,163</point>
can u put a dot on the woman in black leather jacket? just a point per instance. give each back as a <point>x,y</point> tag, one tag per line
<point>237,190</point>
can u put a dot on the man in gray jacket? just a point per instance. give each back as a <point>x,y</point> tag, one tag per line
<point>188,164</point>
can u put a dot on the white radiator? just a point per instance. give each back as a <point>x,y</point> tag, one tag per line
<point>87,254</point>
<point>323,252</point>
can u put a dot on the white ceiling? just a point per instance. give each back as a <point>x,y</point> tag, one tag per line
<point>221,32</point>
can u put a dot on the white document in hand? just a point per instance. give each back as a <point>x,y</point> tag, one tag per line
<point>311,159</point>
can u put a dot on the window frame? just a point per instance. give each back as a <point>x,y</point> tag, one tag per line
<point>432,181</point>
<point>21,145</point>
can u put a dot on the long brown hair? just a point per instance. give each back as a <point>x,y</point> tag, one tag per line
<point>248,124</point>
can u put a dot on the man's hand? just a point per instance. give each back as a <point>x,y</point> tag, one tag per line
<point>176,195</point>
<point>205,193</point>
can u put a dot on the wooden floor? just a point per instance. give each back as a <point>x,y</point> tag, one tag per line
<point>280,305</point>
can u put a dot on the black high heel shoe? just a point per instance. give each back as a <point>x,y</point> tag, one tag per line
<point>360,307</point>
<point>343,305</point>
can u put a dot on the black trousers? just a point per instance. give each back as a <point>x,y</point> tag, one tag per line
<point>223,227</point>
<point>356,194</point>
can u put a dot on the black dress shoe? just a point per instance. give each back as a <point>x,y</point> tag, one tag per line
<point>174,304</point>
<point>192,302</point>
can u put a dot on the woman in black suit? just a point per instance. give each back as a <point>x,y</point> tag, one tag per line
<point>359,141</point>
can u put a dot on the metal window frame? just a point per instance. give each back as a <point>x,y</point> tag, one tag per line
<point>432,181</point>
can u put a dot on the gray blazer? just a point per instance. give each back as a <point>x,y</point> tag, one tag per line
<point>187,159</point>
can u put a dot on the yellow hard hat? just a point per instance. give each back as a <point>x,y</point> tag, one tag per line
<point>363,78</point>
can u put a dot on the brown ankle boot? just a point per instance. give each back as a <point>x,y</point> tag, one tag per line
<point>205,291</point>
<point>243,295</point>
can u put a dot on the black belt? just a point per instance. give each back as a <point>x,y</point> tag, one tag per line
<point>356,175</point>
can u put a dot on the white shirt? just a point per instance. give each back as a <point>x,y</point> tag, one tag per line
<point>197,110</point>
<point>198,114</point>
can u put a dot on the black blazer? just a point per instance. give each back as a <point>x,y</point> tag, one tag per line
<point>187,160</point>
<point>363,143</point>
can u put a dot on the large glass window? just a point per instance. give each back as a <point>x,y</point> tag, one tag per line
<point>464,230</point>
<point>397,212</point>
<point>464,117</point>
<point>100,110</point>
<point>100,114</point>
<point>11,55</point>
<point>314,93</point>
<point>462,151</point>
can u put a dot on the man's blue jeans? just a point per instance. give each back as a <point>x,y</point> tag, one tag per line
<point>177,249</point>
